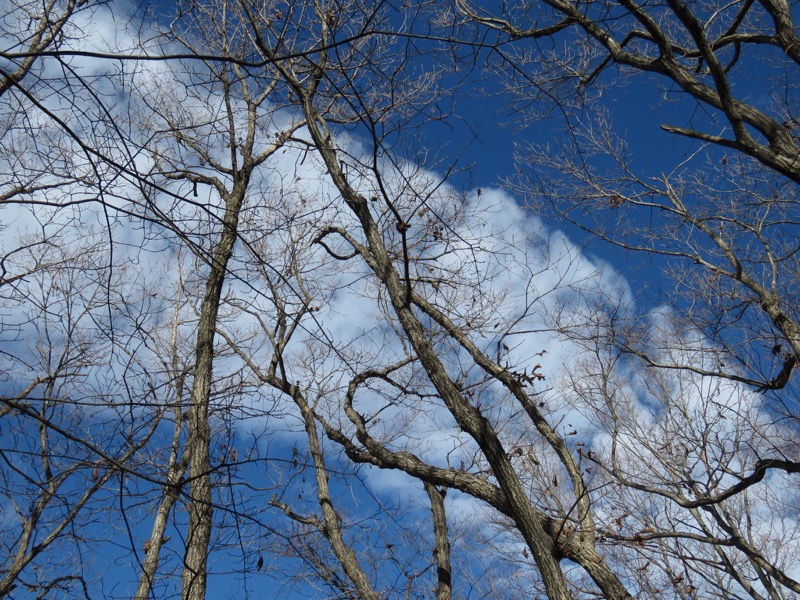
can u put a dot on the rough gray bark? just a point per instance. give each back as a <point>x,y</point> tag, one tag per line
<point>546,551</point>
<point>198,442</point>
<point>468,417</point>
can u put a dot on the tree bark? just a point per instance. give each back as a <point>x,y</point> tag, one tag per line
<point>198,443</point>
<point>444,574</point>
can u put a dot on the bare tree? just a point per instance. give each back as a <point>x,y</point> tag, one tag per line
<point>726,206</point>
<point>336,315</point>
<point>689,503</point>
<point>717,220</point>
<point>31,29</point>
<point>388,242</point>
<point>67,437</point>
<point>398,245</point>
<point>225,141</point>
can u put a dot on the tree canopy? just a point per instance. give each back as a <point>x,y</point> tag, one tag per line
<point>272,324</point>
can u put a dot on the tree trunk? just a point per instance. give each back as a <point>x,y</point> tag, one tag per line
<point>198,444</point>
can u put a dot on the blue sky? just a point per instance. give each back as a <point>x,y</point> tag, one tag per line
<point>485,136</point>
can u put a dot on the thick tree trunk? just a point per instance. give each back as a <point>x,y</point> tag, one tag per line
<point>468,417</point>
<point>198,444</point>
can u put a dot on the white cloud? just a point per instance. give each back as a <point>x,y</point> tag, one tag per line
<point>496,269</point>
